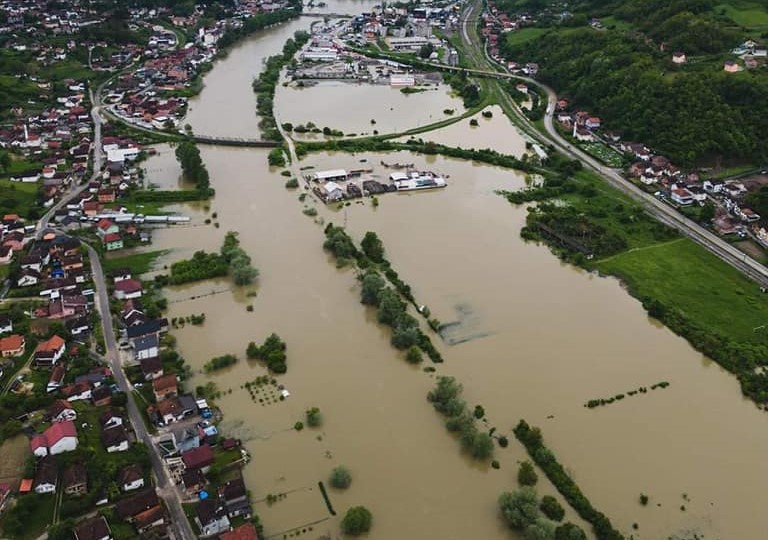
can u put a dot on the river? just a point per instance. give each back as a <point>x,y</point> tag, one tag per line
<point>535,339</point>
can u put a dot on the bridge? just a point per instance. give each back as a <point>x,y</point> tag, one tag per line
<point>230,141</point>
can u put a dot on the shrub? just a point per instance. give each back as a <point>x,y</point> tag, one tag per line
<point>341,478</point>
<point>357,521</point>
<point>503,441</point>
<point>479,411</point>
<point>644,499</point>
<point>473,122</point>
<point>293,183</point>
<point>314,418</point>
<point>298,426</point>
<point>526,475</point>
<point>551,508</point>
<point>414,355</point>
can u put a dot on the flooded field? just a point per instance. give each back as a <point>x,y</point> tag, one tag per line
<point>391,110</point>
<point>532,338</point>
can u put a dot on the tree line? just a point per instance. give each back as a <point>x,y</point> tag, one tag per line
<point>192,166</point>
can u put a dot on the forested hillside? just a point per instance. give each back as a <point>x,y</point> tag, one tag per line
<point>694,113</point>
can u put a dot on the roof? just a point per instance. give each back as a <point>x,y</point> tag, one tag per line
<point>166,382</point>
<point>26,485</point>
<point>129,285</point>
<point>51,345</point>
<point>46,471</point>
<point>149,327</point>
<point>146,342</point>
<point>234,489</point>
<point>151,365</point>
<point>140,502</point>
<point>193,478</point>
<point>58,407</point>
<point>74,474</point>
<point>11,343</point>
<point>108,415</point>
<point>170,406</point>
<point>131,473</point>
<point>114,436</point>
<point>112,237</point>
<point>198,458</point>
<point>246,531</point>
<point>335,173</point>
<point>105,224</point>
<point>59,431</point>
<point>93,529</point>
<point>102,392</point>
<point>209,511</point>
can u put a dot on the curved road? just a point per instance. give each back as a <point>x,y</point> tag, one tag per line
<point>662,211</point>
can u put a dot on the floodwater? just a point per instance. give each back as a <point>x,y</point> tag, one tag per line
<point>366,107</point>
<point>533,338</point>
<point>497,133</point>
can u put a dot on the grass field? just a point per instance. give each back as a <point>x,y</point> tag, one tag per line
<point>139,263</point>
<point>612,23</point>
<point>744,13</point>
<point>526,34</point>
<point>685,275</point>
<point>607,155</point>
<point>17,197</point>
<point>13,453</point>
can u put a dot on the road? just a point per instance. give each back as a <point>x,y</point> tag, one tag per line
<point>660,210</point>
<point>179,521</point>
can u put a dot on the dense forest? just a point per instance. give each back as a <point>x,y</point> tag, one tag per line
<point>693,114</point>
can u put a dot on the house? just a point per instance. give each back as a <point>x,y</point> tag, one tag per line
<point>106,226</point>
<point>128,288</point>
<point>582,135</point>
<point>113,241</point>
<point>12,345</point>
<point>332,191</point>
<point>211,517</point>
<point>46,475</point>
<point>101,396</point>
<point>678,58</point>
<point>731,66</point>
<point>6,325</point>
<point>131,477</point>
<point>194,481</point>
<point>95,528</point>
<point>154,517</point>
<point>58,438</point>
<point>151,367</point>
<point>115,439</point>
<point>28,278</point>
<point>146,347</point>
<point>49,352</point>
<point>593,122</point>
<point>132,508</point>
<point>168,411</point>
<point>75,480</point>
<point>165,386</point>
<point>235,497</point>
<point>109,419</point>
<point>682,197</point>
<point>246,531</point>
<point>155,326</point>
<point>198,458</point>
<point>77,391</point>
<point>78,326</point>
<point>121,274</point>
<point>61,411</point>
<point>186,439</point>
<point>6,254</point>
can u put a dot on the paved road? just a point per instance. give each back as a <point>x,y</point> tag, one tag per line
<point>659,209</point>
<point>180,524</point>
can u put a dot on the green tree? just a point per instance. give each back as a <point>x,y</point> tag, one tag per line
<point>357,520</point>
<point>276,158</point>
<point>482,446</point>
<point>314,418</point>
<point>541,529</point>
<point>526,475</point>
<point>414,355</point>
<point>391,308</point>
<point>341,478</point>
<point>551,508</point>
<point>373,247</point>
<point>520,508</point>
<point>371,287</point>
<point>569,531</point>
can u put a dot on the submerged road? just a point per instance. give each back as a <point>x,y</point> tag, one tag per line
<point>660,210</point>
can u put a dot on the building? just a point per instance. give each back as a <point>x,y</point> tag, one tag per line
<point>95,528</point>
<point>6,325</point>
<point>49,352</point>
<point>235,498</point>
<point>335,175</point>
<point>113,242</point>
<point>194,481</point>
<point>61,411</point>
<point>128,289</point>
<point>46,475</point>
<point>198,458</point>
<point>115,439</point>
<point>165,386</point>
<point>60,437</point>
<point>146,347</point>
<point>75,480</point>
<point>131,478</point>
<point>679,58</point>
<point>105,227</point>
<point>246,531</point>
<point>682,197</point>
<point>151,367</point>
<point>211,517</point>
<point>731,66</point>
<point>131,508</point>
<point>12,345</point>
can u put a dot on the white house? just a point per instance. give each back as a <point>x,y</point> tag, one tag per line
<point>60,437</point>
<point>115,439</point>
<point>682,197</point>
<point>131,477</point>
<point>6,325</point>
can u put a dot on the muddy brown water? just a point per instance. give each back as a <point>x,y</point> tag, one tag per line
<point>535,339</point>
